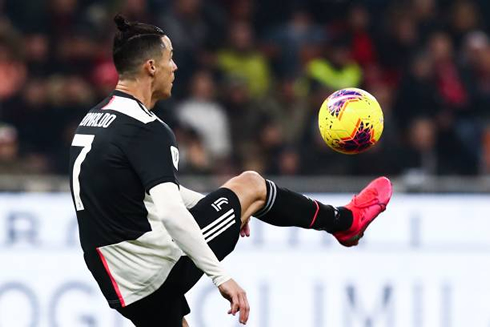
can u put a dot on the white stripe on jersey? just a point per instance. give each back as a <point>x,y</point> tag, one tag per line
<point>131,108</point>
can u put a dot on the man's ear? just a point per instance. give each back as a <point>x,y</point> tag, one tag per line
<point>150,67</point>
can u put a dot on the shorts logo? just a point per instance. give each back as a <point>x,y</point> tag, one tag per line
<point>175,156</point>
<point>218,203</point>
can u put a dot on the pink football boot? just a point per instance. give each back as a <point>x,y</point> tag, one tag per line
<point>365,207</point>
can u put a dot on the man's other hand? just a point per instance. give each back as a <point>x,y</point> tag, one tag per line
<point>231,291</point>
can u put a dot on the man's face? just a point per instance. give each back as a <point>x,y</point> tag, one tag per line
<point>164,75</point>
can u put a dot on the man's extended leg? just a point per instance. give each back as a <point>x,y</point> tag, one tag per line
<point>281,207</point>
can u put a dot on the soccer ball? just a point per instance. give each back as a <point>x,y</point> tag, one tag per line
<point>350,121</point>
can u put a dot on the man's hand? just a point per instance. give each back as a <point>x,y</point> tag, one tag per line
<point>245,230</point>
<point>231,291</point>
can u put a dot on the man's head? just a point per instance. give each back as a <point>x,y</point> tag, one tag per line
<point>144,51</point>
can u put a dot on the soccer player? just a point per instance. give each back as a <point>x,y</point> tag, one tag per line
<point>147,239</point>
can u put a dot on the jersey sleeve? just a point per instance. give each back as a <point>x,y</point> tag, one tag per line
<point>153,154</point>
<point>190,197</point>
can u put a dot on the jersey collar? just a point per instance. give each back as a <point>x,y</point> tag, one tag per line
<point>129,96</point>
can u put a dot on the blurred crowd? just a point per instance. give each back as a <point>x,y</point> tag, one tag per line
<point>252,76</point>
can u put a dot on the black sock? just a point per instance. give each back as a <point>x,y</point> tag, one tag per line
<point>286,208</point>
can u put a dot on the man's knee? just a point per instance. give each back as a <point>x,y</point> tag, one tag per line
<point>253,181</point>
<point>250,182</point>
<point>251,177</point>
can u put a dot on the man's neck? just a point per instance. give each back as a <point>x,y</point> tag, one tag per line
<point>137,89</point>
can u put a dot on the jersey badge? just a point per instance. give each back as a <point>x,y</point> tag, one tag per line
<point>175,156</point>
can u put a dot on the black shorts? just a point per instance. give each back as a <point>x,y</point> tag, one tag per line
<point>218,216</point>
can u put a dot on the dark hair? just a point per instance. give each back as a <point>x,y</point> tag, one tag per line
<point>134,43</point>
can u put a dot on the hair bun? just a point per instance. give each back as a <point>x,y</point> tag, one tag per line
<point>122,23</point>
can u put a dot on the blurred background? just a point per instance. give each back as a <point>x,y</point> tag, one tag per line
<point>252,76</point>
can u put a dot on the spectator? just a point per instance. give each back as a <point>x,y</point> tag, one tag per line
<point>32,110</point>
<point>9,151</point>
<point>289,162</point>
<point>336,70</point>
<point>69,97</point>
<point>448,77</point>
<point>425,15</point>
<point>188,31</point>
<point>13,70</point>
<point>476,61</point>
<point>362,43</point>
<point>193,156</point>
<point>62,17</point>
<point>417,94</point>
<point>76,53</point>
<point>243,60</point>
<point>457,125</point>
<point>291,43</point>
<point>10,161</point>
<point>207,117</point>
<point>136,10</point>
<point>104,77</point>
<point>289,112</point>
<point>247,120</point>
<point>37,54</point>
<point>397,43</point>
<point>363,48</point>
<point>464,19</point>
<point>419,156</point>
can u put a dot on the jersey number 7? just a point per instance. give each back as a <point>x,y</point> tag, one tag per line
<point>84,141</point>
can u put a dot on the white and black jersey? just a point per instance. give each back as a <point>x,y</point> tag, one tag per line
<point>119,152</point>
